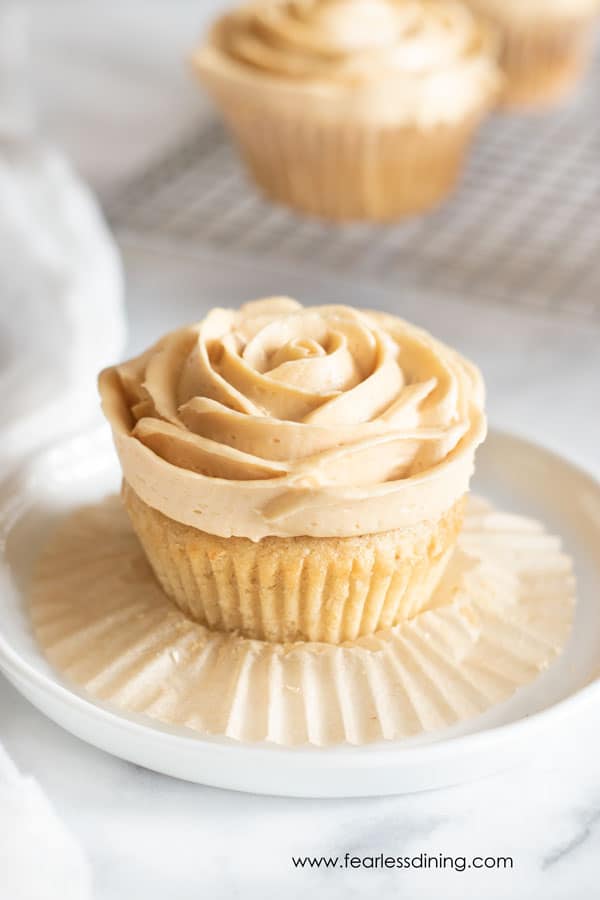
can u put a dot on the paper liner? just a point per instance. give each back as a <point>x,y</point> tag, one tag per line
<point>292,589</point>
<point>500,615</point>
<point>342,170</point>
<point>544,63</point>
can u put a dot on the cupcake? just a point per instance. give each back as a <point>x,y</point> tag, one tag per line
<point>545,46</point>
<point>296,473</point>
<point>351,109</point>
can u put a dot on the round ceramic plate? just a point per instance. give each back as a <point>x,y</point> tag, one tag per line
<point>514,474</point>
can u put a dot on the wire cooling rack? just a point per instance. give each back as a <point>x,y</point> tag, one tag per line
<point>523,229</point>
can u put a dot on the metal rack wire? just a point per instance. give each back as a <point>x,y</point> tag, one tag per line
<point>523,229</point>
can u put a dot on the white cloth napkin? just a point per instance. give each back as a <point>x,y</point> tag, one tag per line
<point>39,859</point>
<point>60,277</point>
<point>61,320</point>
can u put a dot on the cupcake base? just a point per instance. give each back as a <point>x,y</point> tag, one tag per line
<point>499,616</point>
<point>543,66</point>
<point>292,589</point>
<point>543,86</point>
<point>347,173</point>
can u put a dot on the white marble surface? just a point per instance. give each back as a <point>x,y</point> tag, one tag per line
<point>108,77</point>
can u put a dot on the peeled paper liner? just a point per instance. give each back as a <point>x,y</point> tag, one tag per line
<point>499,617</point>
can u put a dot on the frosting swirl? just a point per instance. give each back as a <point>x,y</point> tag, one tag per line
<point>431,53</point>
<point>283,420</point>
<point>352,40</point>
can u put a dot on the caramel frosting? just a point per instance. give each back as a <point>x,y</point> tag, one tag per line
<point>423,58</point>
<point>285,420</point>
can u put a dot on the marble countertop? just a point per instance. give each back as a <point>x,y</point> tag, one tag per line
<point>106,78</point>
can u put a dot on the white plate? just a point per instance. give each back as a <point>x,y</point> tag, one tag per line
<point>516,475</point>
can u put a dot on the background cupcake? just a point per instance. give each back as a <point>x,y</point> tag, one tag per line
<point>351,109</point>
<point>296,473</point>
<point>545,45</point>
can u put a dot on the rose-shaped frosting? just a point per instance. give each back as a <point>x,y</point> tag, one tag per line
<point>284,420</point>
<point>426,52</point>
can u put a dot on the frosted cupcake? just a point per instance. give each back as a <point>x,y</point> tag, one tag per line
<point>296,473</point>
<point>351,109</point>
<point>545,45</point>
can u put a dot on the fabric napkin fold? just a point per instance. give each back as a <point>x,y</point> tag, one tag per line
<point>39,858</point>
<point>61,282</point>
<point>61,320</point>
